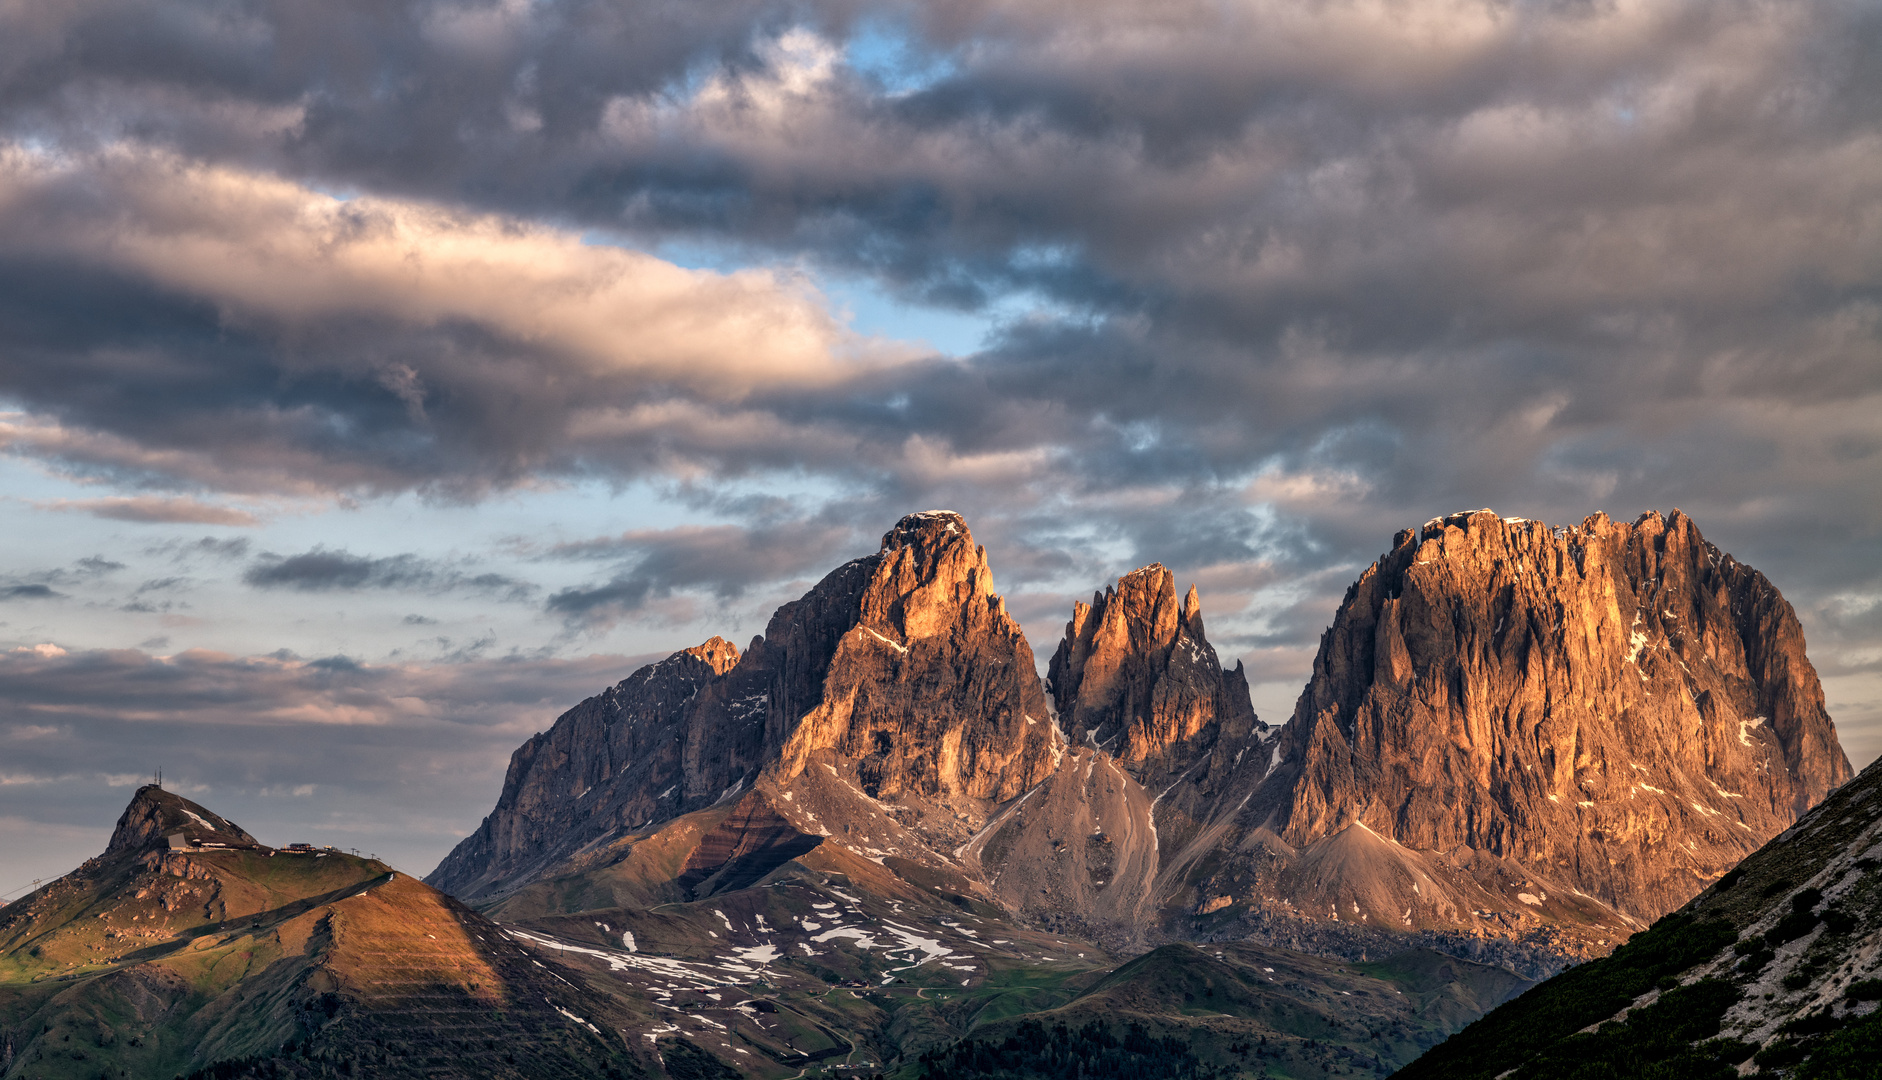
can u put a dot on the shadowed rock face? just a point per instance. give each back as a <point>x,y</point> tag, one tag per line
<point>1621,707</point>
<point>610,763</point>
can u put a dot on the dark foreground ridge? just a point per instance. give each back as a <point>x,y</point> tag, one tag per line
<point>1775,965</point>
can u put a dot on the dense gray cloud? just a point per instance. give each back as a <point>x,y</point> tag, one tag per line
<point>1590,256</point>
<point>721,560</point>
<point>324,570</point>
<point>1520,229</point>
<point>1265,226</point>
<point>27,592</point>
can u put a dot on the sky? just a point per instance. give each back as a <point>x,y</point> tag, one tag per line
<point>378,379</point>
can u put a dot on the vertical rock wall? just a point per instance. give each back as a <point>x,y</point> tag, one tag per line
<point>1621,706</point>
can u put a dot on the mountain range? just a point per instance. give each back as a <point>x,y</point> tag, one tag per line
<point>877,839</point>
<point>1536,740</point>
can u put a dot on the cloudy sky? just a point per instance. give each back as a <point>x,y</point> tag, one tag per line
<point>378,379</point>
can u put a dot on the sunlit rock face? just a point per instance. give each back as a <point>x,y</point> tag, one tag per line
<point>930,686</point>
<point>1622,708</point>
<point>1514,734</point>
<point>1135,676</point>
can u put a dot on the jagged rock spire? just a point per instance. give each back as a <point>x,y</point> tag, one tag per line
<point>1136,676</point>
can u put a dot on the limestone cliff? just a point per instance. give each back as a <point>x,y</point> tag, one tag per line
<point>1516,738</point>
<point>1159,730</point>
<point>932,689</point>
<point>1556,720</point>
<point>1519,734</point>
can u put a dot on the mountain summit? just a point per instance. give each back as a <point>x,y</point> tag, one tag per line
<point>1518,733</point>
<point>1136,677</point>
<point>1625,709</point>
<point>899,676</point>
<point>154,815</point>
<point>235,959</point>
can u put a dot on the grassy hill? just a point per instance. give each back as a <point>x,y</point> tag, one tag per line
<point>153,962</point>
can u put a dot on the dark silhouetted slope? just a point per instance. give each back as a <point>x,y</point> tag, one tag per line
<point>1779,963</point>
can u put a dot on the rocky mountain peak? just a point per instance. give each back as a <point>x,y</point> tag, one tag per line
<point>716,653</point>
<point>1622,706</point>
<point>154,814</point>
<point>900,671</point>
<point>926,529</point>
<point>928,566</point>
<point>1533,736</point>
<point>1135,675</point>
<point>930,687</point>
